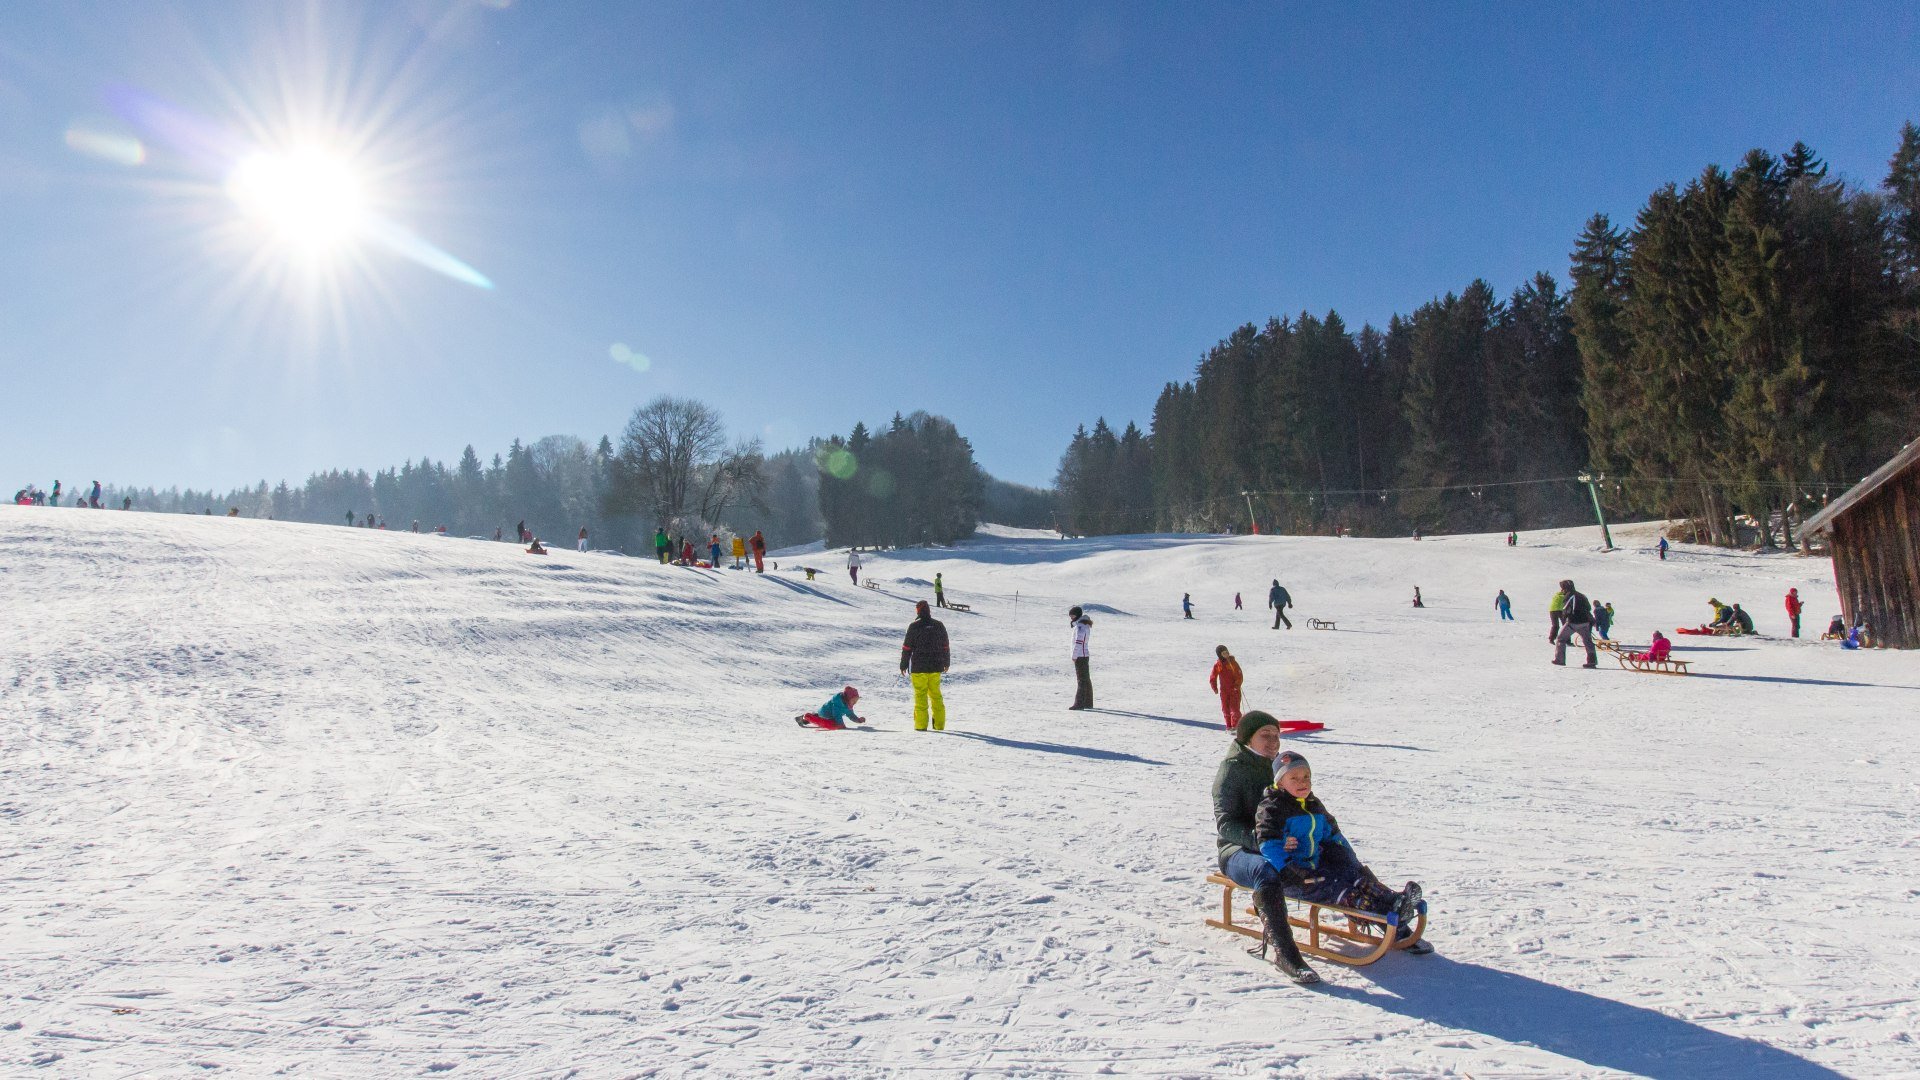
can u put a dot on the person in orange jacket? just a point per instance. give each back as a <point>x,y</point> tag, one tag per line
<point>1225,680</point>
<point>759,545</point>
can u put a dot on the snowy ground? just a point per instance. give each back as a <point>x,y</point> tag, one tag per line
<point>292,798</point>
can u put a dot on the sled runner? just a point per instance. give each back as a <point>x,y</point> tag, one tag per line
<point>1668,666</point>
<point>1609,645</point>
<point>1366,937</point>
<point>958,607</point>
<point>1321,624</point>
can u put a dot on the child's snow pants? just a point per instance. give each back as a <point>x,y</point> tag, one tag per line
<point>1342,880</point>
<point>1230,707</point>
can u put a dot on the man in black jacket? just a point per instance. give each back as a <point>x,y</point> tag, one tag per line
<point>1238,786</point>
<point>924,656</point>
<point>1279,601</point>
<point>1576,618</point>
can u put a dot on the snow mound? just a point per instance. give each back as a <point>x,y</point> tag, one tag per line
<point>287,796</point>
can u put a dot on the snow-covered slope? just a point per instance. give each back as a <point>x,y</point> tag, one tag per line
<point>295,798</point>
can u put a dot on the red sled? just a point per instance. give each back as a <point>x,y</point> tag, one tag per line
<point>1701,631</point>
<point>1295,726</point>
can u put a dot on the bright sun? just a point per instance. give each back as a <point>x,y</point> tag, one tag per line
<point>309,198</point>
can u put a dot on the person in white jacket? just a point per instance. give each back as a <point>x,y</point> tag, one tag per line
<point>1082,630</point>
<point>853,564</point>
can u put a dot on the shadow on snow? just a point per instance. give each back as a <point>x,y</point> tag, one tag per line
<point>1598,1031</point>
<point>1058,748</point>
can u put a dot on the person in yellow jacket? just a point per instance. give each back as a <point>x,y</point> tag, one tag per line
<point>739,552</point>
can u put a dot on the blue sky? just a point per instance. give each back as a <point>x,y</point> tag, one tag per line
<point>1020,216</point>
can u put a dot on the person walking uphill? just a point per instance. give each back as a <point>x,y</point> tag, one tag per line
<point>1225,679</point>
<point>1082,657</point>
<point>1576,620</point>
<point>1279,601</point>
<point>1238,786</point>
<point>1186,604</point>
<point>939,591</point>
<point>924,656</point>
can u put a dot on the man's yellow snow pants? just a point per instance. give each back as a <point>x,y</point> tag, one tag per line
<point>926,692</point>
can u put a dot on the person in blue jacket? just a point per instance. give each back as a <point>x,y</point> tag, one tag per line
<point>1186,604</point>
<point>1503,605</point>
<point>1316,863</point>
<point>835,714</point>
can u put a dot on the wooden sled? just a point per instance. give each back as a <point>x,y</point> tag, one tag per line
<point>958,607</point>
<point>870,584</point>
<point>1669,666</point>
<point>1366,937</point>
<point>1614,647</point>
<point>1321,624</point>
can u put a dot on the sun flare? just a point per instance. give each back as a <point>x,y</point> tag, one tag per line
<point>309,198</point>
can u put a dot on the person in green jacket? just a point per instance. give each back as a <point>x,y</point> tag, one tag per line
<point>1553,613</point>
<point>1238,785</point>
<point>662,546</point>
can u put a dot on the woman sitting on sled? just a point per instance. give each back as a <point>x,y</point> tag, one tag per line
<point>1317,865</point>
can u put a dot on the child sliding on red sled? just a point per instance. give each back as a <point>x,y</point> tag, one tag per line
<point>835,714</point>
<point>1303,841</point>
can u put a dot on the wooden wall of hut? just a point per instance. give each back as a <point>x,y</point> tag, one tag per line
<point>1876,562</point>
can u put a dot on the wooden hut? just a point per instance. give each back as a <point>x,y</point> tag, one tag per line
<point>1875,539</point>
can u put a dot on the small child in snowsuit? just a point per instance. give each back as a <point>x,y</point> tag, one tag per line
<point>1661,649</point>
<point>1225,678</point>
<point>835,714</point>
<point>1303,841</point>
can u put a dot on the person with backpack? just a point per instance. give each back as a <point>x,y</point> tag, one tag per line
<point>924,657</point>
<point>1576,615</point>
<point>1082,659</point>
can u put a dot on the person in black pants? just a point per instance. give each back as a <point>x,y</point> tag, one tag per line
<point>1082,630</point>
<point>1279,601</point>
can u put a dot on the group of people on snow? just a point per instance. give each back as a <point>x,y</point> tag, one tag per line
<point>35,495</point>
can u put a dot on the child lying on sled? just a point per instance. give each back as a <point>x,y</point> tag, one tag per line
<point>1303,841</point>
<point>834,715</point>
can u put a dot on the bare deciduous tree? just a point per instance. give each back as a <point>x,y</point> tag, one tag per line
<point>674,464</point>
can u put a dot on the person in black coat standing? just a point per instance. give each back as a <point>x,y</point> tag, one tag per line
<point>1576,618</point>
<point>1279,601</point>
<point>924,656</point>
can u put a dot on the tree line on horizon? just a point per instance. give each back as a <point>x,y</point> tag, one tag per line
<point>1749,347</point>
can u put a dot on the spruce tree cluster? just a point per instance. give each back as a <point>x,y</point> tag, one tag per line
<point>914,483</point>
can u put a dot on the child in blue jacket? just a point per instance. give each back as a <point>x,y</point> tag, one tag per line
<point>835,714</point>
<point>1303,841</point>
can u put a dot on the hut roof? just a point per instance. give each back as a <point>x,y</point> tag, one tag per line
<point>1894,467</point>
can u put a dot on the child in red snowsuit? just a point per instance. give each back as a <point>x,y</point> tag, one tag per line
<point>1225,680</point>
<point>1661,648</point>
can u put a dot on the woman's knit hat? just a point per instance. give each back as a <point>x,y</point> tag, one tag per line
<point>1251,722</point>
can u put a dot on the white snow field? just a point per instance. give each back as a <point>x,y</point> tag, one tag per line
<point>300,799</point>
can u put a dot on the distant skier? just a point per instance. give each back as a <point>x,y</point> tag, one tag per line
<point>1225,679</point>
<point>1603,620</point>
<point>1279,601</point>
<point>759,545</point>
<point>925,656</point>
<point>1576,621</point>
<point>93,499</point>
<point>1082,658</point>
<point>662,546</point>
<point>853,564</point>
<point>1186,604</point>
<point>1663,549</point>
<point>1793,605</point>
<point>939,591</point>
<point>1504,606</point>
<point>836,714</point>
<point>583,538</point>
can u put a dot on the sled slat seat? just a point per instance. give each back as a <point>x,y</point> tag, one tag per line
<point>1366,937</point>
<point>959,607</point>
<point>1321,624</point>
<point>1669,666</point>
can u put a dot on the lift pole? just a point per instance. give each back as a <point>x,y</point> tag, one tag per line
<point>1598,515</point>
